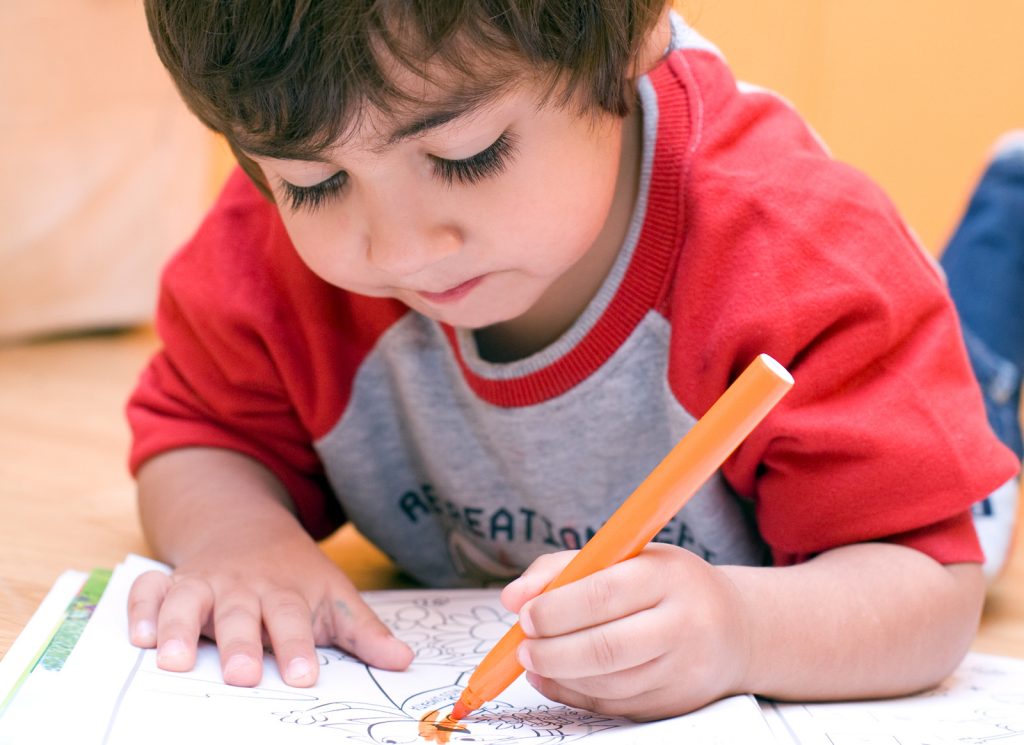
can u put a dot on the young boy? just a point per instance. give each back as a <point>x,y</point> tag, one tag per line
<point>505,255</point>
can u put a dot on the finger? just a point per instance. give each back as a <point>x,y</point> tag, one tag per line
<point>624,684</point>
<point>289,625</point>
<point>186,607</point>
<point>537,576</point>
<point>620,590</point>
<point>632,707</point>
<point>641,706</point>
<point>237,628</point>
<point>360,632</point>
<point>608,648</point>
<point>144,600</point>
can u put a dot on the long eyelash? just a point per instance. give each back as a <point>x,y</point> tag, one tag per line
<point>470,170</point>
<point>311,198</point>
<point>489,162</point>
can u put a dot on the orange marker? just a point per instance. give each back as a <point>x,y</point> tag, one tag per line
<point>649,508</point>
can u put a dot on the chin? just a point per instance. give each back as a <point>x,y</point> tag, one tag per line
<point>474,324</point>
<point>451,317</point>
<point>473,316</point>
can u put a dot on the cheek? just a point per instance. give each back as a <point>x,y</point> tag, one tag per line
<point>567,205</point>
<point>326,247</point>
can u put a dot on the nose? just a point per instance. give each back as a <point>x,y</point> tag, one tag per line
<point>405,241</point>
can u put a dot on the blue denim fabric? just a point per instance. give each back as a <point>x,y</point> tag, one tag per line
<point>984,265</point>
<point>1000,387</point>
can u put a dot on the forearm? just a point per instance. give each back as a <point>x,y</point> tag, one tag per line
<point>860,621</point>
<point>197,499</point>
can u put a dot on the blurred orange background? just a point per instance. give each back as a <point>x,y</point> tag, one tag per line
<point>914,92</point>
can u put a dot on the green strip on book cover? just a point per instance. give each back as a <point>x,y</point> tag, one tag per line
<point>58,647</point>
<point>76,616</point>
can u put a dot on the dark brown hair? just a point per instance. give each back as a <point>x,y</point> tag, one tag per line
<point>285,78</point>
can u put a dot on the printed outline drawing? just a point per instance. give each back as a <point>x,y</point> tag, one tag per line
<point>449,635</point>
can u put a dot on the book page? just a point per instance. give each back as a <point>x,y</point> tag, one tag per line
<point>981,703</point>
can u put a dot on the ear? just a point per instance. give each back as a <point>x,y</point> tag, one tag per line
<point>652,50</point>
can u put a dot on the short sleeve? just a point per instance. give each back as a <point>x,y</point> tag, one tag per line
<point>220,379</point>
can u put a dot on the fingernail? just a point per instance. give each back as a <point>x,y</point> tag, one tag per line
<point>237,663</point>
<point>523,655</point>
<point>171,650</point>
<point>526,623</point>
<point>298,668</point>
<point>145,633</point>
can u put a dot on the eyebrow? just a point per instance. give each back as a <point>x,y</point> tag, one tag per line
<point>458,105</point>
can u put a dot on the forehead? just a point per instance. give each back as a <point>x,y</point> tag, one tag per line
<point>466,77</point>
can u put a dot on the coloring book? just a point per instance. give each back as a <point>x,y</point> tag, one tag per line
<point>108,692</point>
<point>72,676</point>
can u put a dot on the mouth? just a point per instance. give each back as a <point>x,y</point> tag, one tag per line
<point>452,294</point>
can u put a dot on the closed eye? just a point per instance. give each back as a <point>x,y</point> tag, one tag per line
<point>488,162</point>
<point>311,198</point>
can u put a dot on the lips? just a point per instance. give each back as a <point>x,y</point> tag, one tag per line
<point>452,294</point>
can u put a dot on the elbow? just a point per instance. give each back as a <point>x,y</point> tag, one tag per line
<point>965,601</point>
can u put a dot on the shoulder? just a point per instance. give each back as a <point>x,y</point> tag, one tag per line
<point>239,254</point>
<point>783,247</point>
<point>238,299</point>
<point>241,267</point>
<point>765,204</point>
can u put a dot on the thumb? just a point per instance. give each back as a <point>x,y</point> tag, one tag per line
<point>359,632</point>
<point>532,582</point>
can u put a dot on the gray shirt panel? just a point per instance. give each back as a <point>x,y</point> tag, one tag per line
<point>461,492</point>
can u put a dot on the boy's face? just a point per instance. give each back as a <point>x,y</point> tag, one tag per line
<point>472,220</point>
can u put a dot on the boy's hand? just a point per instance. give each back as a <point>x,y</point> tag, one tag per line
<point>289,595</point>
<point>657,635</point>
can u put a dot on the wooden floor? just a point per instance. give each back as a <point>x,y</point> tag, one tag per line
<point>67,501</point>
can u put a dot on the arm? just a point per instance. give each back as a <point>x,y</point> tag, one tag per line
<point>665,633</point>
<point>860,621</point>
<point>244,571</point>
